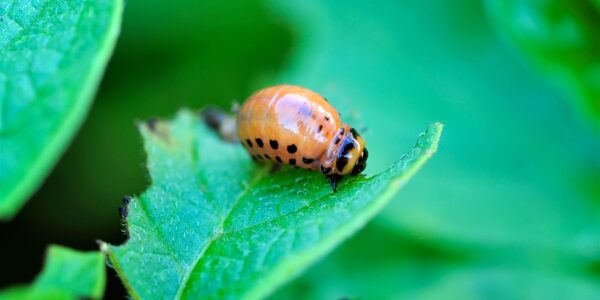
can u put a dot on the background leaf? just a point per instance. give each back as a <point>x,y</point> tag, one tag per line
<point>518,177</point>
<point>561,38</point>
<point>516,185</point>
<point>67,274</point>
<point>213,225</point>
<point>220,51</point>
<point>52,55</point>
<point>510,136</point>
<point>391,266</point>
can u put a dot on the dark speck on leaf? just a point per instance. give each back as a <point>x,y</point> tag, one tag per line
<point>151,124</point>
<point>126,200</point>
<point>123,211</point>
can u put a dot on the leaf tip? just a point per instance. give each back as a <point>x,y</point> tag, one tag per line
<point>428,140</point>
<point>435,129</point>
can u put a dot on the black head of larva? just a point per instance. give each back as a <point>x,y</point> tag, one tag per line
<point>351,154</point>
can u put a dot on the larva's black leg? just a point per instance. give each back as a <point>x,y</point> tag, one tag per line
<point>213,117</point>
<point>123,210</point>
<point>333,180</point>
<point>224,124</point>
<point>275,168</point>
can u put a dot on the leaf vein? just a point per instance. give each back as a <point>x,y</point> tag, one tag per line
<point>278,217</point>
<point>160,236</point>
<point>260,174</point>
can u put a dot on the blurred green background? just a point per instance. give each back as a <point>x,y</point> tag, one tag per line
<point>508,208</point>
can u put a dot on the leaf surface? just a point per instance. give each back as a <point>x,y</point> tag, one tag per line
<point>52,56</point>
<point>214,225</point>
<point>561,38</point>
<point>67,274</point>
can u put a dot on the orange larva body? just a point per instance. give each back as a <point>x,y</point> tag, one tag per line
<point>288,124</point>
<point>293,125</point>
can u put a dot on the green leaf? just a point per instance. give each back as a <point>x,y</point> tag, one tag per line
<point>67,274</point>
<point>517,181</point>
<point>380,264</point>
<point>52,56</point>
<point>561,38</point>
<point>214,225</point>
<point>513,153</point>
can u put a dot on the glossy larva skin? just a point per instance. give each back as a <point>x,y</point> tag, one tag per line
<point>293,125</point>
<point>285,116</point>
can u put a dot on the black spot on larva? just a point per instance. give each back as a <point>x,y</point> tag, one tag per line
<point>354,133</point>
<point>325,170</point>
<point>325,99</point>
<point>292,149</point>
<point>326,118</point>
<point>274,144</point>
<point>341,163</point>
<point>347,148</point>
<point>320,128</point>
<point>292,162</point>
<point>307,160</point>
<point>249,143</point>
<point>259,156</point>
<point>278,159</point>
<point>259,142</point>
<point>267,156</point>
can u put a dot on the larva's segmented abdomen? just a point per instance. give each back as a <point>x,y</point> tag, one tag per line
<point>287,124</point>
